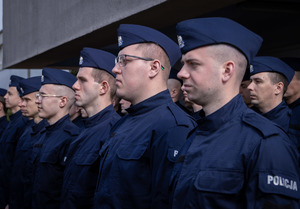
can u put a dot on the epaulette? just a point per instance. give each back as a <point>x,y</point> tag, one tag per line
<point>72,129</point>
<point>178,114</point>
<point>264,126</point>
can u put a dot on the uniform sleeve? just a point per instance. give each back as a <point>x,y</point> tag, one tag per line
<point>273,175</point>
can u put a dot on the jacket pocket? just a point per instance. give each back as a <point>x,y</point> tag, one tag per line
<point>225,182</point>
<point>50,157</point>
<point>131,152</point>
<point>86,159</point>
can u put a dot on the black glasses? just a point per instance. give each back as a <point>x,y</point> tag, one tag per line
<point>121,59</point>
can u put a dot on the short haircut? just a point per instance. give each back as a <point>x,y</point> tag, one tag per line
<point>101,75</point>
<point>154,51</point>
<point>278,77</point>
<point>224,52</point>
<point>62,90</point>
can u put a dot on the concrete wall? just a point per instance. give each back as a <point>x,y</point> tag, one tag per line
<point>35,26</point>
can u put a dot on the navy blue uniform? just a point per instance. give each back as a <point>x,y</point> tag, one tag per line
<point>79,121</point>
<point>236,159</point>
<point>137,160</point>
<point>80,177</point>
<point>280,115</point>
<point>20,186</point>
<point>8,143</point>
<point>294,129</point>
<point>3,124</point>
<point>48,162</point>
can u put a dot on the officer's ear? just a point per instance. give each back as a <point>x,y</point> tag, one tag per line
<point>63,101</point>
<point>155,68</point>
<point>104,87</point>
<point>228,70</point>
<point>279,88</point>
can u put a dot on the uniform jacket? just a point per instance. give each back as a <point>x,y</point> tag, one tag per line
<point>3,124</point>
<point>48,163</point>
<point>294,126</point>
<point>236,159</point>
<point>8,143</point>
<point>20,182</point>
<point>80,177</point>
<point>137,160</point>
<point>280,115</point>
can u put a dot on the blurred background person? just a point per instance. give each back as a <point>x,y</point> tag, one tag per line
<point>3,110</point>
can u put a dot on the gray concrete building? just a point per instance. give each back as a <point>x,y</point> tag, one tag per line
<point>39,33</point>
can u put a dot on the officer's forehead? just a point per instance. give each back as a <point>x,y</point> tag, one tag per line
<point>47,87</point>
<point>262,75</point>
<point>130,49</point>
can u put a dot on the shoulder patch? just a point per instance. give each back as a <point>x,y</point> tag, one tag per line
<point>279,184</point>
<point>263,125</point>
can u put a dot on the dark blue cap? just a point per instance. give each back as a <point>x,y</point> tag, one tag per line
<point>129,34</point>
<point>293,62</point>
<point>14,80</point>
<point>271,64</point>
<point>98,59</point>
<point>58,77</point>
<point>2,92</point>
<point>173,75</point>
<point>30,85</point>
<point>195,33</point>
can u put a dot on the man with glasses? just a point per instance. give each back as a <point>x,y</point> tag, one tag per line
<point>137,159</point>
<point>10,137</point>
<point>54,101</point>
<point>20,192</point>
<point>95,89</point>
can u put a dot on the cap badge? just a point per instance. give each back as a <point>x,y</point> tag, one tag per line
<point>42,78</point>
<point>180,41</point>
<point>251,69</point>
<point>120,40</point>
<point>80,60</point>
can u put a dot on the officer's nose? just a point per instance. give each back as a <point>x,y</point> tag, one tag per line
<point>116,69</point>
<point>182,74</point>
<point>75,85</point>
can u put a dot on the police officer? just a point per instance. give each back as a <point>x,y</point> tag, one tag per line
<point>228,161</point>
<point>10,137</point>
<point>292,97</point>
<point>94,90</point>
<point>270,77</point>
<point>193,108</point>
<point>137,159</point>
<point>3,109</point>
<point>174,85</point>
<point>244,91</point>
<point>19,195</point>
<point>124,104</point>
<point>54,100</point>
<point>75,116</point>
